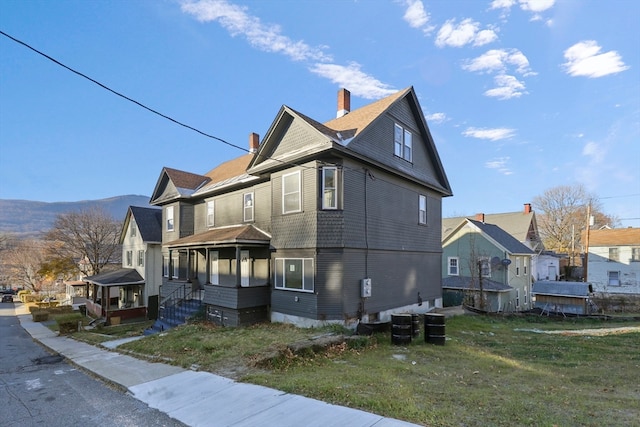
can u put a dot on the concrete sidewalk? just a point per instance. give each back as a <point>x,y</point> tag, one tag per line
<point>200,398</point>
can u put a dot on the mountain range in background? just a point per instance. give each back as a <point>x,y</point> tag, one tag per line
<point>31,219</point>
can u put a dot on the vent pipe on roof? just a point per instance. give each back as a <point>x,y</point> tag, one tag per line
<point>344,102</point>
<point>254,142</point>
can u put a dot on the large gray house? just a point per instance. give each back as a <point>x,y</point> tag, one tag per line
<point>334,222</point>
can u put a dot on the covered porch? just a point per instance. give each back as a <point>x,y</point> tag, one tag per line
<point>116,296</point>
<point>232,267</point>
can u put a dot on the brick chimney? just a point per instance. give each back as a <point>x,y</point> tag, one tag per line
<point>480,217</point>
<point>254,142</point>
<point>527,208</point>
<point>344,102</point>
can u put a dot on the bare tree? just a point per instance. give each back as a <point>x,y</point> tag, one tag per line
<point>91,236</point>
<point>22,261</point>
<point>563,215</point>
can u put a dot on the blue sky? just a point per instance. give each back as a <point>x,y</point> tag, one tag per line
<point>520,95</point>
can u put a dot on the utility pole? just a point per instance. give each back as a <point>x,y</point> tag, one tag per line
<point>585,267</point>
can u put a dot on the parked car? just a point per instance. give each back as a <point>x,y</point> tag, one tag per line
<point>7,298</point>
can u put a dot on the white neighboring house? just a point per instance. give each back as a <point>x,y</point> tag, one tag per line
<point>613,262</point>
<point>133,291</point>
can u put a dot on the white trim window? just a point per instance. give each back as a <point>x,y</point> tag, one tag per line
<point>170,223</point>
<point>165,266</point>
<point>525,262</point>
<point>294,274</point>
<point>517,266</point>
<point>291,193</point>
<point>402,143</point>
<point>247,206</point>
<point>635,254</point>
<point>614,255</point>
<point>485,267</point>
<point>453,264</point>
<point>329,187</point>
<point>517,298</point>
<point>133,228</point>
<point>211,209</point>
<point>422,209</point>
<point>129,258</point>
<point>140,258</point>
<point>614,278</point>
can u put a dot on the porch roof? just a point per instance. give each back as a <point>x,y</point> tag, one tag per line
<point>471,283</point>
<point>238,234</point>
<point>124,276</point>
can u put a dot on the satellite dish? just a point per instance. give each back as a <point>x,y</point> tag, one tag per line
<point>506,262</point>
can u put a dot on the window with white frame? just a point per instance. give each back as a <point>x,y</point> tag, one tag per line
<point>402,143</point>
<point>210,213</point>
<point>485,267</point>
<point>635,254</point>
<point>614,278</point>
<point>517,266</point>
<point>129,258</point>
<point>517,297</point>
<point>524,296</point>
<point>141,258</point>
<point>165,266</point>
<point>453,263</point>
<point>248,206</point>
<point>422,209</point>
<point>291,200</point>
<point>133,228</point>
<point>294,274</point>
<point>524,271</point>
<point>329,187</point>
<point>614,254</point>
<point>169,212</point>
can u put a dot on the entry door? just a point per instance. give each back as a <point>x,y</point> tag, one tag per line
<point>552,272</point>
<point>214,275</point>
<point>244,268</point>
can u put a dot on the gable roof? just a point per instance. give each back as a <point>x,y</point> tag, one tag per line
<point>614,237</point>
<point>338,134</point>
<point>183,184</point>
<point>516,224</point>
<point>148,221</point>
<point>493,233</point>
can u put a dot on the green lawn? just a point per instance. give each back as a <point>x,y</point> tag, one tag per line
<point>491,371</point>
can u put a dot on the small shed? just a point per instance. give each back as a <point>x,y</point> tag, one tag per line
<point>553,296</point>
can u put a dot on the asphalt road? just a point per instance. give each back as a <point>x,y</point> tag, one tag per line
<point>39,388</point>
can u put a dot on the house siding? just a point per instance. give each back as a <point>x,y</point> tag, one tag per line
<point>600,266</point>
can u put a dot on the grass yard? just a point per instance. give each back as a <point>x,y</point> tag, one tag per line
<point>492,371</point>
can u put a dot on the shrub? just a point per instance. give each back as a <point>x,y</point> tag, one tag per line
<point>68,323</point>
<point>40,315</point>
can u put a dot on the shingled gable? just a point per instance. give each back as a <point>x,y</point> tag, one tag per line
<point>175,184</point>
<point>495,234</point>
<point>339,134</point>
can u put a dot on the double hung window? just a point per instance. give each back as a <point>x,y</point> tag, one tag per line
<point>402,143</point>
<point>291,189</point>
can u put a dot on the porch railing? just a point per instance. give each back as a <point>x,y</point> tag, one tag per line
<point>180,304</point>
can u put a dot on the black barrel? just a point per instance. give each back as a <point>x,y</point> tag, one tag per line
<point>401,328</point>
<point>434,328</point>
<point>415,325</point>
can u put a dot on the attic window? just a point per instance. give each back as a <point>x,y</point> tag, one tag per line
<point>402,143</point>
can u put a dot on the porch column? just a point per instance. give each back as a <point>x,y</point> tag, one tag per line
<point>207,268</point>
<point>170,265</point>
<point>188,265</point>
<point>238,268</point>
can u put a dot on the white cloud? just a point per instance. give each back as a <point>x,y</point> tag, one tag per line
<point>507,87</point>
<point>436,118</point>
<point>593,151</point>
<point>269,38</point>
<point>502,4</point>
<point>415,14</point>
<point>467,32</point>
<point>584,59</point>
<point>351,77</point>
<point>499,60</point>
<point>500,164</point>
<point>494,134</point>
<point>536,6</point>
